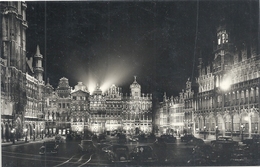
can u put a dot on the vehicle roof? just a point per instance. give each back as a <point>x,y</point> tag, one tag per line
<point>142,146</point>
<point>49,142</point>
<point>118,145</point>
<point>224,142</point>
<point>224,137</point>
<point>86,140</point>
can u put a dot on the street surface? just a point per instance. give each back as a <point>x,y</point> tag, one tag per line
<point>69,155</point>
<point>27,154</point>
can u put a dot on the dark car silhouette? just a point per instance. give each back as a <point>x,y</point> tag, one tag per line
<point>168,138</point>
<point>87,146</point>
<point>118,153</point>
<point>187,138</point>
<point>49,147</point>
<point>122,138</point>
<point>222,151</point>
<point>201,155</point>
<point>143,154</point>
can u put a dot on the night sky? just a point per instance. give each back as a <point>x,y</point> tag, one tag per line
<point>109,42</point>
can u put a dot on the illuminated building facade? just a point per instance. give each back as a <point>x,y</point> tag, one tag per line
<point>114,102</point>
<point>137,111</point>
<point>64,108</point>
<point>50,110</point>
<point>188,108</point>
<point>21,80</point>
<point>97,111</point>
<point>79,116</point>
<point>227,102</point>
<point>34,112</point>
<point>163,110</point>
<point>175,113</point>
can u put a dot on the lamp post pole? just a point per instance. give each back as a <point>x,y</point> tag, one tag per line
<point>242,131</point>
<point>33,134</point>
<point>12,132</point>
<point>42,133</point>
<point>26,135</point>
<point>216,132</point>
<point>204,132</point>
<point>225,86</point>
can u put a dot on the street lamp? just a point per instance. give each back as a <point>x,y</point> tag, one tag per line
<point>224,86</point>
<point>25,130</point>
<point>242,130</point>
<point>42,133</point>
<point>216,132</point>
<point>33,134</point>
<point>12,132</point>
<point>204,132</point>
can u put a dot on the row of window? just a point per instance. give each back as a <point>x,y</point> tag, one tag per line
<point>79,98</point>
<point>234,98</point>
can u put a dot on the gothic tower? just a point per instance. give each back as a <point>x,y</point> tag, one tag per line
<point>14,25</point>
<point>135,89</point>
<point>38,69</point>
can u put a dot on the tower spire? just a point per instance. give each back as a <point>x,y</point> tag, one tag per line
<point>38,50</point>
<point>135,78</point>
<point>38,69</point>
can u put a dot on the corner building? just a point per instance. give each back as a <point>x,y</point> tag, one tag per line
<point>227,102</point>
<point>22,84</point>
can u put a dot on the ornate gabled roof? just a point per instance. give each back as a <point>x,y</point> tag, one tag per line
<point>98,91</point>
<point>79,91</point>
<point>63,83</point>
<point>48,85</point>
<point>135,84</point>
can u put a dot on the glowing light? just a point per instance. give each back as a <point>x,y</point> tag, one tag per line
<point>246,118</point>
<point>115,71</point>
<point>91,87</point>
<point>225,84</point>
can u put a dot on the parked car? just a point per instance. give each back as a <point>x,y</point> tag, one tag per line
<point>253,140</point>
<point>240,156</point>
<point>201,155</point>
<point>49,147</point>
<point>101,137</point>
<point>195,142</point>
<point>253,150</point>
<point>113,133</point>
<point>142,138</point>
<point>168,138</point>
<point>133,138</point>
<point>87,145</point>
<point>186,138</point>
<point>151,138</point>
<point>222,138</point>
<point>118,153</point>
<point>222,151</point>
<point>60,139</point>
<point>121,138</point>
<point>143,153</point>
